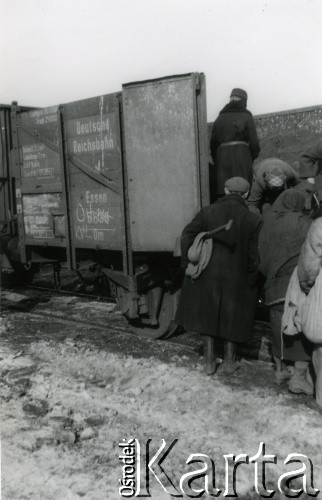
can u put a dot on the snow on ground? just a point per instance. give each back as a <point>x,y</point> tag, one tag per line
<point>66,405</point>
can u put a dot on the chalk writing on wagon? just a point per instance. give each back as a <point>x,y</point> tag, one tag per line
<point>84,232</point>
<point>38,214</point>
<point>44,116</point>
<point>94,218</point>
<point>39,161</point>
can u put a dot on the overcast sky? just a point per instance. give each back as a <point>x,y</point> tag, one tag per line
<point>56,51</point>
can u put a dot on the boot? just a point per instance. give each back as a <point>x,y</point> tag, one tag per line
<point>229,365</point>
<point>314,405</point>
<point>299,383</point>
<point>209,355</point>
<point>281,371</point>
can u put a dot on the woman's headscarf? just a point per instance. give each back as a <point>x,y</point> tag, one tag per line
<point>291,200</point>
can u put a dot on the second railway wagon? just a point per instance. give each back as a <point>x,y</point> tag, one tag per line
<point>111,181</point>
<point>12,270</point>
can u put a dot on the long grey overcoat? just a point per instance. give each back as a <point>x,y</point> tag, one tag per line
<point>222,301</point>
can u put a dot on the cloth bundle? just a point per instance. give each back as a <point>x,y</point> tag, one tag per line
<point>303,313</point>
<point>312,312</point>
<point>199,255</point>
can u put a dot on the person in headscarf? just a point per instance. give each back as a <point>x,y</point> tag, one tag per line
<point>234,143</point>
<point>271,177</point>
<point>283,233</point>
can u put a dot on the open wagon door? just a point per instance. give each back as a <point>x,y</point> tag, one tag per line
<point>165,129</point>
<point>166,150</point>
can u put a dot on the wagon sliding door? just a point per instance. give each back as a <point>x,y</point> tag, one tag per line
<point>165,136</point>
<point>40,184</point>
<point>95,177</point>
<point>165,126</point>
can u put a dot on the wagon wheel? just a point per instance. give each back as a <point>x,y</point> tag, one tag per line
<point>22,274</point>
<point>19,277</point>
<point>166,313</point>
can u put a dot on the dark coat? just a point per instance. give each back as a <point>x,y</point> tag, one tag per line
<point>280,241</point>
<point>234,123</point>
<point>222,301</point>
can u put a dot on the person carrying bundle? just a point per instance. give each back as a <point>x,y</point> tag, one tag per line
<point>220,301</point>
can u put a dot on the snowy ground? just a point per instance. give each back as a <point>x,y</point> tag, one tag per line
<point>71,393</point>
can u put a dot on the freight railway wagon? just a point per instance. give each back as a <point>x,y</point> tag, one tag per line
<point>110,182</point>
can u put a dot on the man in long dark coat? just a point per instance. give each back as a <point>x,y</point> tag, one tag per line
<point>234,144</point>
<point>221,302</point>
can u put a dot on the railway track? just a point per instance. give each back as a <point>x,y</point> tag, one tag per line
<point>38,301</point>
<point>91,313</point>
<point>67,292</point>
<point>22,296</point>
<point>73,321</point>
<point>96,322</point>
